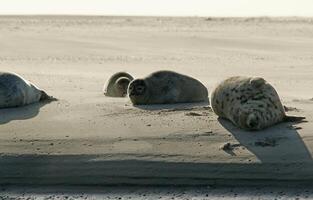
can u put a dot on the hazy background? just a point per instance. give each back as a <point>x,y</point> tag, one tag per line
<point>160,7</point>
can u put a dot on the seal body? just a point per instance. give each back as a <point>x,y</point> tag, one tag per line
<point>117,85</point>
<point>166,87</point>
<point>250,103</point>
<point>16,91</point>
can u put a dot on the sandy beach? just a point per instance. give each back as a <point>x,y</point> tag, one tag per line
<point>72,57</point>
<point>162,193</point>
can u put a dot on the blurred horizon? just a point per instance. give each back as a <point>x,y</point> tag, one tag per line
<point>197,8</point>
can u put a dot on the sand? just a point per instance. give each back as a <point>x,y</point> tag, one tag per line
<point>162,193</point>
<point>72,57</point>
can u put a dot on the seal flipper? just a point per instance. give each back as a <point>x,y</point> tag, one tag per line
<point>45,97</point>
<point>293,119</point>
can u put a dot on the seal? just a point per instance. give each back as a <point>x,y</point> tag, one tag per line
<point>117,85</point>
<point>15,91</point>
<point>166,87</point>
<point>250,103</point>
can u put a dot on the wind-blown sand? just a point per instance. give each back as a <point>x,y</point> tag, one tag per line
<point>72,57</point>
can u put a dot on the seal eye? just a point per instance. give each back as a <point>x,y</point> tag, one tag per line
<point>140,89</point>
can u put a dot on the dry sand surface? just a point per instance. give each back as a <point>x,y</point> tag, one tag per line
<point>72,57</point>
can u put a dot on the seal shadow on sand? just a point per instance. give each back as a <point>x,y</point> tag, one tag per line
<point>21,113</point>
<point>279,143</point>
<point>174,106</point>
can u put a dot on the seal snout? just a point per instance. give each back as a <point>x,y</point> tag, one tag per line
<point>136,91</point>
<point>252,121</point>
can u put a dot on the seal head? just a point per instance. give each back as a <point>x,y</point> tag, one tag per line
<point>121,85</point>
<point>117,85</point>
<point>249,120</point>
<point>138,91</point>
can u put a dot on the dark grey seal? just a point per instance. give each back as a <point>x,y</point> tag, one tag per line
<point>166,87</point>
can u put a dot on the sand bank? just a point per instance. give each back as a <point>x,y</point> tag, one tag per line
<point>85,134</point>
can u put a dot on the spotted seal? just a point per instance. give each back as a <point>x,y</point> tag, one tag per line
<point>117,85</point>
<point>166,87</point>
<point>250,103</point>
<point>15,91</point>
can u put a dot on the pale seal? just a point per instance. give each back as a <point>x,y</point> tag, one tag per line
<point>117,85</point>
<point>250,103</point>
<point>15,91</point>
<point>166,87</point>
